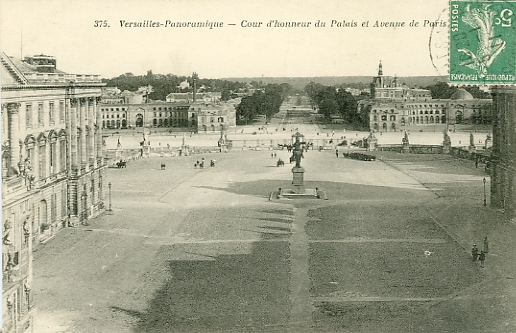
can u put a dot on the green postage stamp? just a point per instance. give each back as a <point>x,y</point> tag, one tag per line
<point>483,42</point>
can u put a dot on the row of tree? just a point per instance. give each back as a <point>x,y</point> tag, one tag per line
<point>264,102</point>
<point>441,90</point>
<point>335,101</point>
<point>169,83</point>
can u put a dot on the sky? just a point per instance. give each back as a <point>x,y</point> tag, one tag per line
<point>66,30</point>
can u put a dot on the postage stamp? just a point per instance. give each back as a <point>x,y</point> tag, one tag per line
<point>482,42</point>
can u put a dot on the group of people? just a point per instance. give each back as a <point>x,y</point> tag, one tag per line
<point>478,255</point>
<point>201,164</point>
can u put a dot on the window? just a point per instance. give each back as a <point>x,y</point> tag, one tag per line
<point>51,112</point>
<point>28,115</point>
<point>41,161</point>
<point>41,121</point>
<point>53,156</point>
<point>61,111</point>
<point>63,203</point>
<point>62,153</point>
<point>53,206</point>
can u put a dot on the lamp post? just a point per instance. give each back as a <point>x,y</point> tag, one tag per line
<point>485,201</point>
<point>109,186</point>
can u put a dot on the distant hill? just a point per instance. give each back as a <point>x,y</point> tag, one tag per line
<point>301,82</point>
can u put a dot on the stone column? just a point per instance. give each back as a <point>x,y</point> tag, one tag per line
<point>98,138</point>
<point>13,133</point>
<point>503,158</point>
<point>72,106</point>
<point>83,105</point>
<point>91,138</point>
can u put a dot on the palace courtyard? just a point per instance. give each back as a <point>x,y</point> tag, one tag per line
<point>204,250</point>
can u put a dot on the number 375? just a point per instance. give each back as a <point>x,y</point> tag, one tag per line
<point>101,24</point>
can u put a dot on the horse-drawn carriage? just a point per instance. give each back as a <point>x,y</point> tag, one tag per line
<point>280,163</point>
<point>121,164</point>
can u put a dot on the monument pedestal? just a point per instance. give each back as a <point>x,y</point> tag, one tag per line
<point>183,151</point>
<point>446,147</point>
<point>298,180</point>
<point>119,154</point>
<point>146,151</point>
<point>405,148</point>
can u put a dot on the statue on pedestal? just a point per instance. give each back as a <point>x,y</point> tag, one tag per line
<point>405,139</point>
<point>447,139</point>
<point>297,153</point>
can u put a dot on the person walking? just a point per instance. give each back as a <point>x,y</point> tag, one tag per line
<point>474,253</point>
<point>486,245</point>
<point>337,153</point>
<point>482,258</point>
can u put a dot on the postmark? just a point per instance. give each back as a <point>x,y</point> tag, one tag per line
<point>482,42</point>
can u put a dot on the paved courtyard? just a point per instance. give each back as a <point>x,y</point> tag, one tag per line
<point>204,250</point>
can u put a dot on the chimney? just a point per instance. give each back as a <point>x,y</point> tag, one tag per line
<point>42,63</point>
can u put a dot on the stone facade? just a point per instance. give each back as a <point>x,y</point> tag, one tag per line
<point>153,114</point>
<point>394,107</point>
<point>503,158</point>
<point>52,168</point>
<point>213,117</point>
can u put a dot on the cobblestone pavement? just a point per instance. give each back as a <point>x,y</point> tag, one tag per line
<point>203,250</point>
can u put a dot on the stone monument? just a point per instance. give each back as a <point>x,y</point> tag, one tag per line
<point>446,142</point>
<point>184,148</point>
<point>298,171</point>
<point>471,147</point>
<point>371,142</point>
<point>487,141</point>
<point>223,142</point>
<point>405,143</point>
<point>298,190</point>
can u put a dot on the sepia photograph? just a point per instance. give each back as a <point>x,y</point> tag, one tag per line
<point>258,166</point>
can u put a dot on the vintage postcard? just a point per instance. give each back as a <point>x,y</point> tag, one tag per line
<point>258,166</point>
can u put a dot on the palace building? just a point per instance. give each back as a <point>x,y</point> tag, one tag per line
<point>52,168</point>
<point>396,107</point>
<point>213,117</point>
<point>121,110</point>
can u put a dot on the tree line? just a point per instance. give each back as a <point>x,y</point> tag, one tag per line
<point>169,83</point>
<point>336,101</point>
<point>265,101</point>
